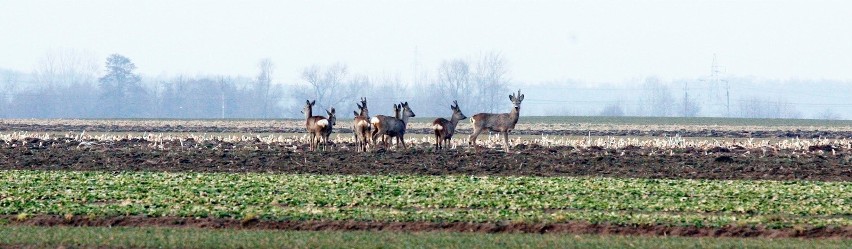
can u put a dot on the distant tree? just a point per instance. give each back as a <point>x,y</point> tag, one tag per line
<point>827,114</point>
<point>491,82</point>
<point>331,86</point>
<point>612,110</point>
<point>386,90</point>
<point>755,107</point>
<point>657,100</point>
<point>8,80</point>
<point>63,85</point>
<point>263,85</point>
<point>454,81</point>
<point>121,91</point>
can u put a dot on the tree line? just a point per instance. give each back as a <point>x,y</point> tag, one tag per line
<point>64,86</point>
<point>69,84</point>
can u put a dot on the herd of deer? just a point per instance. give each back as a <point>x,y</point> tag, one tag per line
<point>368,129</point>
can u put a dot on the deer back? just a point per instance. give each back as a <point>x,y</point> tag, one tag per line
<point>316,123</point>
<point>327,125</point>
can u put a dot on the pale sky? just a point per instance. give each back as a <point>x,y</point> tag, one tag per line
<point>593,41</point>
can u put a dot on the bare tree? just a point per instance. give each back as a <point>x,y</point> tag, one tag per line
<point>755,107</point>
<point>454,82</point>
<point>491,81</point>
<point>331,86</point>
<point>827,114</point>
<point>8,79</point>
<point>264,84</point>
<point>64,80</point>
<point>613,110</point>
<point>387,90</point>
<point>657,100</point>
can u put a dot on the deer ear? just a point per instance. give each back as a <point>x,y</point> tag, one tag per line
<point>522,98</point>
<point>511,97</point>
<point>356,113</point>
<point>332,110</point>
<point>313,102</point>
<point>307,102</point>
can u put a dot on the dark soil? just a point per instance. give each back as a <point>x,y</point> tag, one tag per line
<point>571,227</point>
<point>816,163</point>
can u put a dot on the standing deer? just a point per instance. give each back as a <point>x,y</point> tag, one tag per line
<point>502,122</point>
<point>391,126</point>
<point>444,129</point>
<point>383,119</point>
<point>361,127</point>
<point>326,130</point>
<point>319,127</point>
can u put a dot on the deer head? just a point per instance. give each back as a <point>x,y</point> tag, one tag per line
<point>309,106</point>
<point>406,111</point>
<point>332,119</point>
<point>362,107</point>
<point>516,100</point>
<point>457,113</point>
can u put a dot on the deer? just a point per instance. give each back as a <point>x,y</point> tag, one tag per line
<point>502,122</point>
<point>318,127</point>
<point>326,130</point>
<point>361,126</point>
<point>444,129</point>
<point>392,126</point>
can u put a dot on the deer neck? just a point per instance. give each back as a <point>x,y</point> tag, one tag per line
<point>309,114</point>
<point>513,115</point>
<point>404,119</point>
<point>453,122</point>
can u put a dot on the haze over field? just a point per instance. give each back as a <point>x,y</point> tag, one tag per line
<point>261,59</point>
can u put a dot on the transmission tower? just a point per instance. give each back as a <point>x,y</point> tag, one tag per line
<point>716,83</point>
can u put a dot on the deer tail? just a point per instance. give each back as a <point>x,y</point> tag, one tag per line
<point>322,123</point>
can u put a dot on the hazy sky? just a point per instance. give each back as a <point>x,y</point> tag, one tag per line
<point>595,41</point>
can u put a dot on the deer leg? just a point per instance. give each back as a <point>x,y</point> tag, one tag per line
<point>374,137</point>
<point>364,140</point>
<point>311,142</point>
<point>473,137</point>
<point>324,142</point>
<point>401,139</point>
<point>360,139</point>
<point>506,140</point>
<point>437,140</point>
<point>357,141</point>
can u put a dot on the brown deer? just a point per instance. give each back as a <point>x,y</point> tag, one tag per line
<point>502,122</point>
<point>317,126</point>
<point>361,127</point>
<point>383,119</point>
<point>391,126</point>
<point>444,129</point>
<point>326,130</point>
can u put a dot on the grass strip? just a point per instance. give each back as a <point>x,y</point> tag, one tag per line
<point>154,237</point>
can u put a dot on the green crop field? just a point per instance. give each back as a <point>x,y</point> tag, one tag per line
<point>701,203</point>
